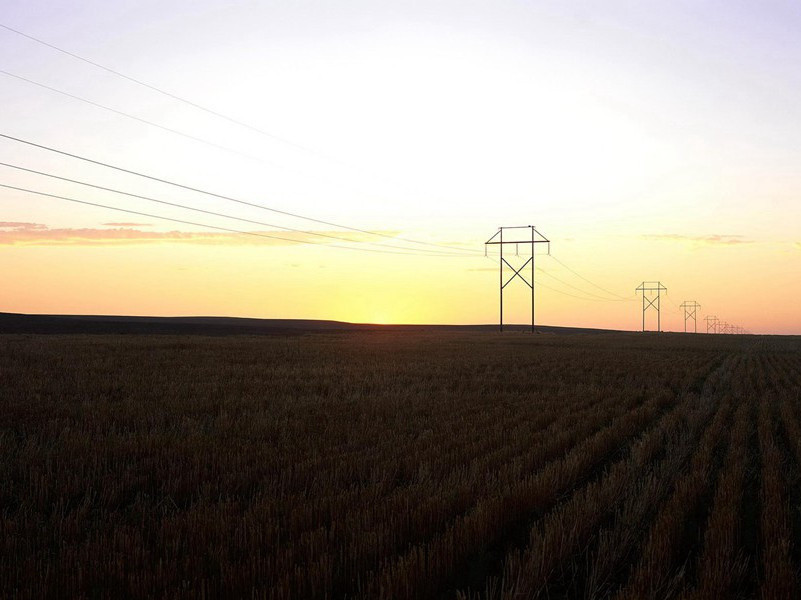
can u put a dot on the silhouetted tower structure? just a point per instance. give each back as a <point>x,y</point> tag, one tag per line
<point>690,312</point>
<point>649,300</point>
<point>531,237</point>
<point>711,323</point>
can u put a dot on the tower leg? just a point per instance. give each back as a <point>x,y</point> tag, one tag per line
<point>500,279</point>
<point>532,280</point>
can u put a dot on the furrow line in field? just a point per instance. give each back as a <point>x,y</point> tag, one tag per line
<point>422,570</point>
<point>616,548</point>
<point>721,566</point>
<point>660,568</point>
<point>556,556</point>
<point>549,541</point>
<point>778,577</point>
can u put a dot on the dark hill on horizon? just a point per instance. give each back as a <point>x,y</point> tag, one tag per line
<point>120,324</point>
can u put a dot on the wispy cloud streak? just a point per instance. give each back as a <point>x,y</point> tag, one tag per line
<point>699,240</point>
<point>37,234</point>
<point>17,225</point>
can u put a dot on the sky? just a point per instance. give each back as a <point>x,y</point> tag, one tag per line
<point>646,140</point>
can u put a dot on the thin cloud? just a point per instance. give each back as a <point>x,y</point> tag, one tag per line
<point>127,224</point>
<point>18,226</point>
<point>36,234</point>
<point>700,240</point>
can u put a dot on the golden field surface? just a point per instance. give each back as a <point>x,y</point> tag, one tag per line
<point>400,464</point>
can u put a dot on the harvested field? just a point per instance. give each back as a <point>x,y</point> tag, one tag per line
<point>400,464</point>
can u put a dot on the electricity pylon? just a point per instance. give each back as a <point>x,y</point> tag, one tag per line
<point>536,238</point>
<point>690,312</point>
<point>654,302</point>
<point>711,323</point>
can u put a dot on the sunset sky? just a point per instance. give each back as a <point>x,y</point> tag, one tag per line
<point>646,140</point>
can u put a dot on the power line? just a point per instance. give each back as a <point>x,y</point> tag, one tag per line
<point>185,222</point>
<point>673,305</point>
<point>169,94</point>
<point>213,213</point>
<point>594,296</point>
<point>580,276</point>
<point>553,289</point>
<point>177,132</point>
<point>188,136</point>
<point>191,103</point>
<point>228,198</point>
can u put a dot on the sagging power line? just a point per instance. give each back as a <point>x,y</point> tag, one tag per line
<point>142,120</point>
<point>595,285</point>
<point>591,296</point>
<point>217,214</point>
<point>167,94</point>
<point>465,251</point>
<point>206,225</point>
<point>194,104</point>
<point>230,198</point>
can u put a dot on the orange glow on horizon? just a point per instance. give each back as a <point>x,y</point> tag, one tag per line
<point>170,279</point>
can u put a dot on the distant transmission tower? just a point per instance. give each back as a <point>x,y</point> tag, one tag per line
<point>711,323</point>
<point>497,239</point>
<point>648,288</point>
<point>690,312</point>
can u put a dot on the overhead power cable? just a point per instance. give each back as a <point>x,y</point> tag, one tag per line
<point>580,276</point>
<point>230,198</point>
<point>592,295</point>
<point>169,94</point>
<point>188,136</point>
<point>673,305</point>
<point>183,134</point>
<point>217,214</point>
<point>185,222</point>
<point>553,289</point>
<point>190,103</point>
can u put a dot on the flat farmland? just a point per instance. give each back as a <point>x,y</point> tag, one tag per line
<point>400,464</point>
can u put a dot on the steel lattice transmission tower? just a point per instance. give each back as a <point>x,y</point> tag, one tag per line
<point>690,312</point>
<point>711,323</point>
<point>535,238</point>
<point>649,300</point>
